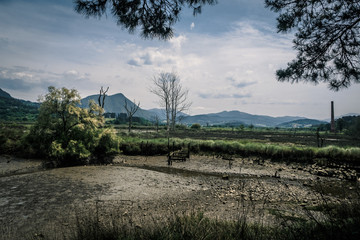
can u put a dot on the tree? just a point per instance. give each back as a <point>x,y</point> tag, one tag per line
<point>65,132</point>
<point>156,120</point>
<point>154,17</point>
<point>327,40</point>
<point>102,96</point>
<point>173,98</point>
<point>131,110</point>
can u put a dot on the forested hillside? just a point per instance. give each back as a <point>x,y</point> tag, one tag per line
<point>12,109</point>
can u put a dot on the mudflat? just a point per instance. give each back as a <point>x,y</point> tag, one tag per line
<point>34,200</point>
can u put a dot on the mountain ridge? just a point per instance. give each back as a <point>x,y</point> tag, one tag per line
<point>115,104</point>
<point>4,94</point>
<point>238,118</point>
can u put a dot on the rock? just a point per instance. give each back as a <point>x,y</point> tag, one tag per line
<point>225,177</point>
<point>321,172</point>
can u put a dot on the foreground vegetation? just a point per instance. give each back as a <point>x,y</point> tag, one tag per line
<point>327,221</point>
<point>93,142</point>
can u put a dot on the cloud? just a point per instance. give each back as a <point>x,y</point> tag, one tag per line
<point>73,75</point>
<point>240,83</point>
<point>24,78</point>
<point>4,42</point>
<point>223,95</point>
<point>178,41</point>
<point>152,56</point>
<point>134,62</point>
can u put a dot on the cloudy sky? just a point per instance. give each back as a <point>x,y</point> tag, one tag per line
<point>227,57</point>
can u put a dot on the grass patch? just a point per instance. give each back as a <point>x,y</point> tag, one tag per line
<point>338,221</point>
<point>242,148</point>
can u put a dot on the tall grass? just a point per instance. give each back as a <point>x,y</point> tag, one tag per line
<point>275,152</point>
<point>337,221</point>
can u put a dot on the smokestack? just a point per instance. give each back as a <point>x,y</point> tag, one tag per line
<point>332,117</point>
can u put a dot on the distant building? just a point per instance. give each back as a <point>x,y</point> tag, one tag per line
<point>332,129</point>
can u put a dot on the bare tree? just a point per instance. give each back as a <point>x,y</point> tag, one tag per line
<point>179,100</point>
<point>162,90</point>
<point>156,120</point>
<point>102,95</point>
<point>131,110</point>
<point>173,98</point>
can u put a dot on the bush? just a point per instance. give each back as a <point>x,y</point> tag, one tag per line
<point>196,126</point>
<point>108,144</point>
<point>68,134</point>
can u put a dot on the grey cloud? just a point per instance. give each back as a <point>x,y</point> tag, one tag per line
<point>147,59</point>
<point>244,84</point>
<point>24,78</point>
<point>223,95</point>
<point>15,84</point>
<point>236,95</point>
<point>4,42</point>
<point>133,62</point>
<point>240,84</point>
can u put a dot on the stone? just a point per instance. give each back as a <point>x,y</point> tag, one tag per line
<point>225,177</point>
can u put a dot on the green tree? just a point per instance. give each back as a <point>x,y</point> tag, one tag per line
<point>354,127</point>
<point>155,17</point>
<point>64,131</point>
<point>327,40</point>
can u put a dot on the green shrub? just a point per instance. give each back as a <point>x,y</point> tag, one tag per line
<point>68,134</point>
<point>108,144</point>
<point>195,126</point>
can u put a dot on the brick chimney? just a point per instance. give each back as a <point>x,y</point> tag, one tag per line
<point>332,117</point>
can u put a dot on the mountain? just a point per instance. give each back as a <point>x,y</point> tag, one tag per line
<point>237,118</point>
<point>4,94</point>
<point>301,123</point>
<point>162,115</point>
<point>158,112</point>
<point>12,109</point>
<point>341,116</point>
<point>115,103</point>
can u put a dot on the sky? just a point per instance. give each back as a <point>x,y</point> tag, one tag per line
<point>226,57</point>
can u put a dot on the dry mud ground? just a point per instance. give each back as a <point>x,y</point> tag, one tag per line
<point>140,189</point>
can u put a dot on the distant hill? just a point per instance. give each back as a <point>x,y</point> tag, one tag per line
<point>237,118</point>
<point>4,94</point>
<point>158,112</point>
<point>12,109</point>
<point>115,103</point>
<point>341,116</point>
<point>301,123</point>
<point>161,113</point>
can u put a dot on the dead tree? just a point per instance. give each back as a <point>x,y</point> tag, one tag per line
<point>156,120</point>
<point>102,96</point>
<point>173,98</point>
<point>131,110</point>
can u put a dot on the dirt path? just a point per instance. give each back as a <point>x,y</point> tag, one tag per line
<point>34,200</point>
